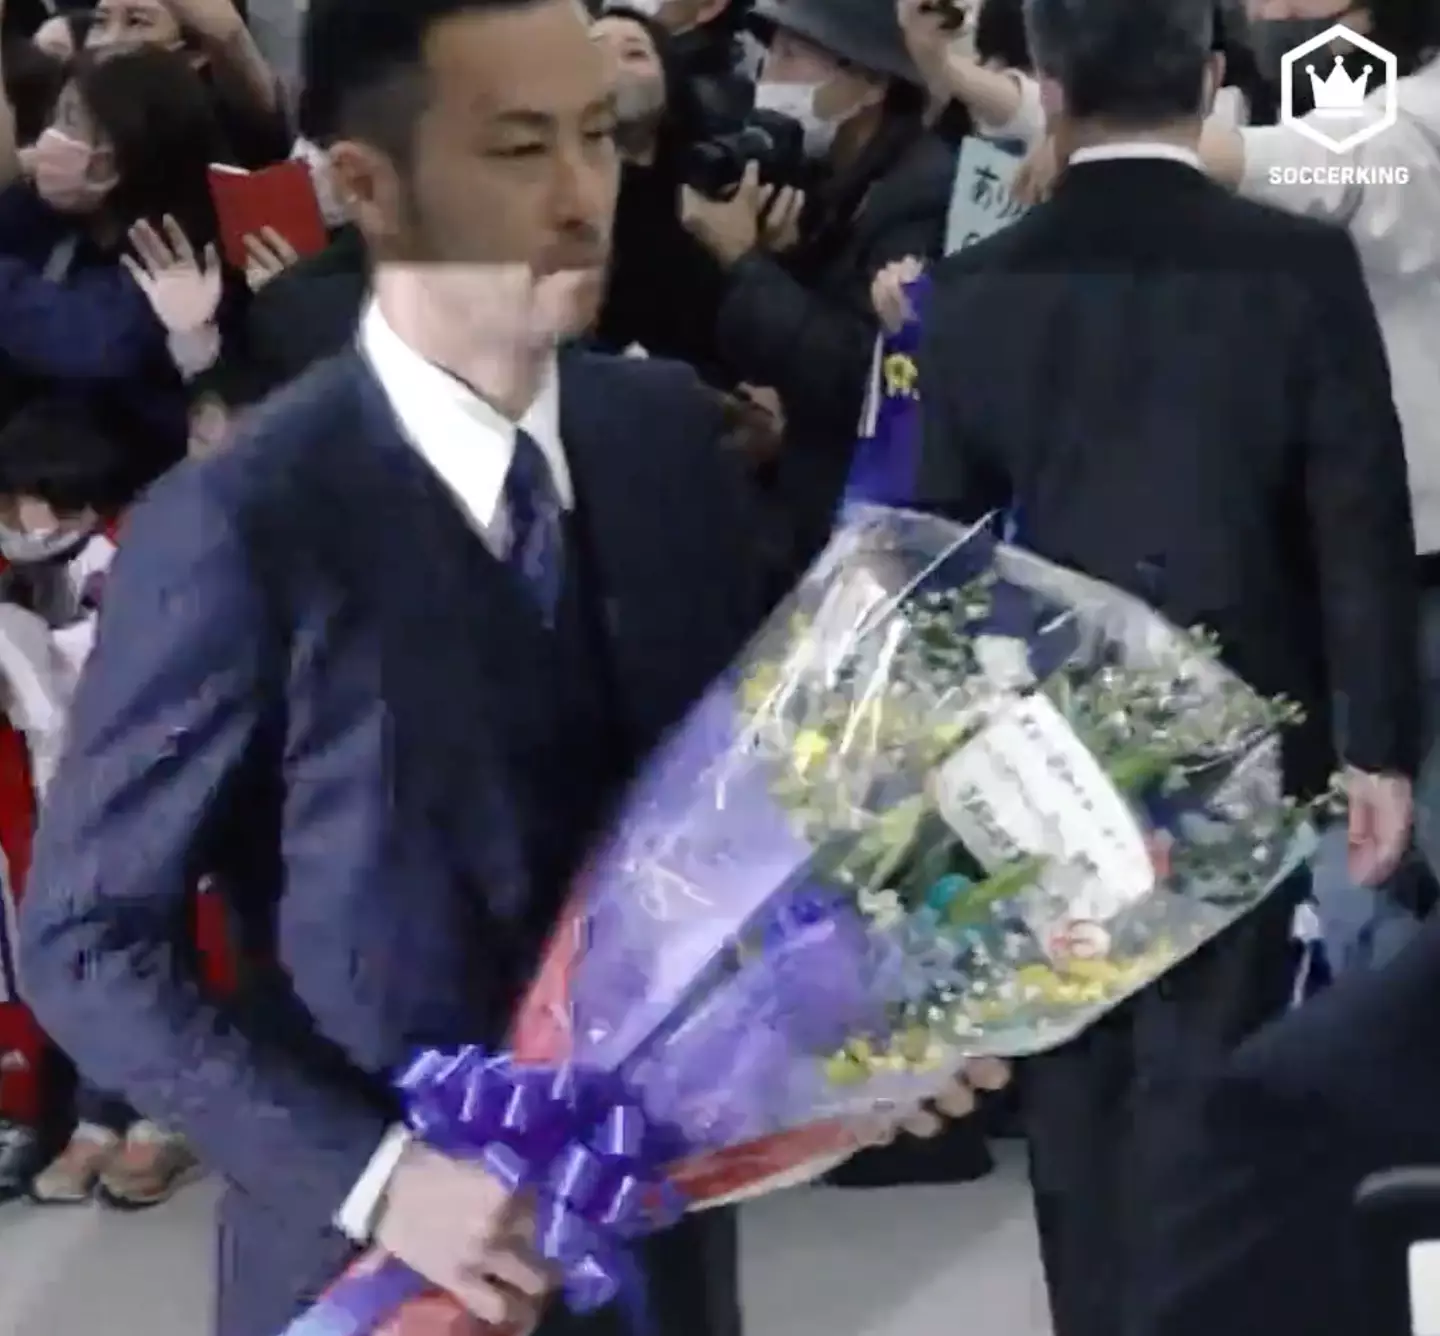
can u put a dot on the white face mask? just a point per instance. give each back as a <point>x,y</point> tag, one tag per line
<point>797,101</point>
<point>28,547</point>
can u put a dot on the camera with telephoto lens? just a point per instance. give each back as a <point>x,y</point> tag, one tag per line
<point>714,166</point>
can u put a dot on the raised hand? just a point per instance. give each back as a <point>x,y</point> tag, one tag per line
<point>182,289</point>
<point>887,292</point>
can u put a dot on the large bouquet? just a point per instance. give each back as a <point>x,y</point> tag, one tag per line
<point>953,801</point>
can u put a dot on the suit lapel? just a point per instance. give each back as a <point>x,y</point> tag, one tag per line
<point>437,626</point>
<point>643,577</point>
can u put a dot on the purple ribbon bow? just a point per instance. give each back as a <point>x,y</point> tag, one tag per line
<point>572,1135</point>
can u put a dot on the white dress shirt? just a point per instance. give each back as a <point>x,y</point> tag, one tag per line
<point>468,442</point>
<point>470,445</point>
<point>1136,149</point>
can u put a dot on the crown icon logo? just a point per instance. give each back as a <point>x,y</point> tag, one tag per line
<point>1338,96</point>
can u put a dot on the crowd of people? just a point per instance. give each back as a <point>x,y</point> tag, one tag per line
<point>1196,362</point>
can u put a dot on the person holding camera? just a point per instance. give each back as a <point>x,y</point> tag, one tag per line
<point>872,186</point>
<point>711,52</point>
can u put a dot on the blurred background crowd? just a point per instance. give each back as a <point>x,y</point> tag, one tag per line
<point>788,165</point>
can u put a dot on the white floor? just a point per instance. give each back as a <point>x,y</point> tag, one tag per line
<point>902,1262</point>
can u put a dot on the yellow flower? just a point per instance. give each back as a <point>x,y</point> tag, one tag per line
<point>810,746</point>
<point>758,686</point>
<point>842,1070</point>
<point>914,1044</point>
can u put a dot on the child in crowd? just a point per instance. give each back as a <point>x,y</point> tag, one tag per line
<point>63,480</point>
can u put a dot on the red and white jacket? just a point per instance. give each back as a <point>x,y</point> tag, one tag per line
<point>39,667</point>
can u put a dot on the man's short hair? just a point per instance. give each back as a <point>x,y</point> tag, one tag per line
<point>359,65</point>
<point>1129,62</point>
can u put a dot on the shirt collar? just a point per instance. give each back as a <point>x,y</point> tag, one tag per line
<point>1133,149</point>
<point>467,441</point>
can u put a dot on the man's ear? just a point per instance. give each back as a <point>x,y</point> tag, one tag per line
<point>710,10</point>
<point>1052,100</point>
<point>369,185</point>
<point>1214,82</point>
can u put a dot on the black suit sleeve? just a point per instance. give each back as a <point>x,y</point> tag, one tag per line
<point>955,478</point>
<point>1358,499</point>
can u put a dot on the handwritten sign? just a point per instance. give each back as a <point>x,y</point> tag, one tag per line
<point>981,202</point>
<point>1027,785</point>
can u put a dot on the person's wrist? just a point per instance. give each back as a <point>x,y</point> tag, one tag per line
<point>194,350</point>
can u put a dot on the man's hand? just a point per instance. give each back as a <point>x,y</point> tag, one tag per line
<point>729,229</point>
<point>887,292</point>
<point>463,1231</point>
<point>780,212</point>
<point>756,419</point>
<point>1381,811</point>
<point>957,1100</point>
<point>209,20</point>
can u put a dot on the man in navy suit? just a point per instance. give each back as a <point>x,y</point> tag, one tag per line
<point>384,669</point>
<point>1258,1233</point>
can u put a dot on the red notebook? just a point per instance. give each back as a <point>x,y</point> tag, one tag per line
<point>281,196</point>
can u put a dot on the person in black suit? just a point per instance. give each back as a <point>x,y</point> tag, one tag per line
<point>1185,394</point>
<point>1259,1232</point>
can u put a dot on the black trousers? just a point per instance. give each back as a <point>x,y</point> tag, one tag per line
<point>693,1284</point>
<point>1109,1117</point>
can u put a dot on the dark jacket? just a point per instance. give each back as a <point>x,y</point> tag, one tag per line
<point>363,750</point>
<point>665,289</point>
<point>301,317</point>
<point>1147,367</point>
<point>89,330</point>
<point>1152,373</point>
<point>804,324</point>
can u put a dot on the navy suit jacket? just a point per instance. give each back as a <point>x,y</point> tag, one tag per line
<point>281,692</point>
<point>1259,1233</point>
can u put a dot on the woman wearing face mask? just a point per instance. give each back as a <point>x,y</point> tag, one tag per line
<point>131,138</point>
<point>799,319</point>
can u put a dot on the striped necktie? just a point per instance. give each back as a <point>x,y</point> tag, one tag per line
<point>537,541</point>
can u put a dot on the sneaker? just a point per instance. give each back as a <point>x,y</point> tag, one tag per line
<point>21,1156</point>
<point>150,1167</point>
<point>74,1174</point>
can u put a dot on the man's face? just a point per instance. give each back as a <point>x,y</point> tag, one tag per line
<point>130,23</point>
<point>513,170</point>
